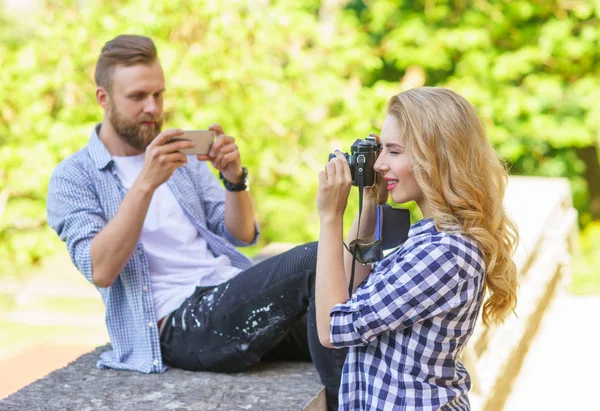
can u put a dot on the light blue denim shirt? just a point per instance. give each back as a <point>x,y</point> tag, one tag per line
<point>84,194</point>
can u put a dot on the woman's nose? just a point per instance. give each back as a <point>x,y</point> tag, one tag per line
<point>379,165</point>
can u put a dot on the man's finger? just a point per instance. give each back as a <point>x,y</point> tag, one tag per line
<point>229,158</point>
<point>165,135</point>
<point>217,160</point>
<point>177,146</point>
<point>216,128</point>
<point>174,158</point>
<point>219,143</point>
<point>228,148</point>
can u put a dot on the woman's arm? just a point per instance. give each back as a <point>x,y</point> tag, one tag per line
<point>331,283</point>
<point>331,286</point>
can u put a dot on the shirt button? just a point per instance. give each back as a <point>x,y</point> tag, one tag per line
<point>145,288</point>
<point>155,362</point>
<point>150,324</point>
<point>140,252</point>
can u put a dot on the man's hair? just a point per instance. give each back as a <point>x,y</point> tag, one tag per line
<point>124,50</point>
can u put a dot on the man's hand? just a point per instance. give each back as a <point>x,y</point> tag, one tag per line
<point>225,156</point>
<point>162,158</point>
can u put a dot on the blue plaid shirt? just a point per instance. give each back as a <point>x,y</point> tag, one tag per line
<point>84,194</point>
<point>407,324</point>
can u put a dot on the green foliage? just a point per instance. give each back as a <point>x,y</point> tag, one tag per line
<point>585,279</point>
<point>531,68</point>
<point>293,80</point>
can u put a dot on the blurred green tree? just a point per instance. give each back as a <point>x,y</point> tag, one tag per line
<point>531,68</point>
<point>293,80</point>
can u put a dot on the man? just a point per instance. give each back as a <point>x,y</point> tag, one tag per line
<point>156,233</point>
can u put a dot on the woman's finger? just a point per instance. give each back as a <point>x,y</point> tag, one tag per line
<point>322,178</point>
<point>330,171</point>
<point>345,169</point>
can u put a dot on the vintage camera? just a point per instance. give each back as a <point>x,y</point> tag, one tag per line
<point>363,154</point>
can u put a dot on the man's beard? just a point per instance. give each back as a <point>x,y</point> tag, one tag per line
<point>132,132</point>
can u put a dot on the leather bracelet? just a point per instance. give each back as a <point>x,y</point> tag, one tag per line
<point>241,186</point>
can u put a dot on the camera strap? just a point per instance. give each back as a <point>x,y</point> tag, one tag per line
<point>354,250</point>
<point>388,236</point>
<point>361,159</point>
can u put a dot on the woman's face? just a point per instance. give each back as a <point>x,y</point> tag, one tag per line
<point>394,166</point>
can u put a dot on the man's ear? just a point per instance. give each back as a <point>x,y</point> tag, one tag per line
<point>103,98</point>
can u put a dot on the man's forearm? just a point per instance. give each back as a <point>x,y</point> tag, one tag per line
<point>112,247</point>
<point>239,215</point>
<point>367,229</point>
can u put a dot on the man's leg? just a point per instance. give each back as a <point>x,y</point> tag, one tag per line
<point>232,326</point>
<point>302,343</point>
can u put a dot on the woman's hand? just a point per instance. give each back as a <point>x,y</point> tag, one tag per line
<point>335,182</point>
<point>377,193</point>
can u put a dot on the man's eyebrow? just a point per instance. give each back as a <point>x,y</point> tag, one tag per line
<point>143,92</point>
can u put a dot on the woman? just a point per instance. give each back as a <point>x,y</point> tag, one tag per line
<point>410,316</point>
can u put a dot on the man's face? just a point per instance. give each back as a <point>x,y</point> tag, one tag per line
<point>136,103</point>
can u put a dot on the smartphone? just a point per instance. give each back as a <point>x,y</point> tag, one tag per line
<point>203,139</point>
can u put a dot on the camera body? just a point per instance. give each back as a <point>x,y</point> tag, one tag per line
<point>362,157</point>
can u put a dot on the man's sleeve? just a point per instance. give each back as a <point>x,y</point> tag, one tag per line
<point>213,201</point>
<point>420,285</point>
<point>74,212</point>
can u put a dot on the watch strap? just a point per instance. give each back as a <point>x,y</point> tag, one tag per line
<point>241,186</point>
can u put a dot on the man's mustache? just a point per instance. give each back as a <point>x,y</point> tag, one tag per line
<point>156,120</point>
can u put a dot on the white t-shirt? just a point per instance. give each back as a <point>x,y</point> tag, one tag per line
<point>178,256</point>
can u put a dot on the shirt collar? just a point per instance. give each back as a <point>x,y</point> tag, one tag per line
<point>426,225</point>
<point>100,155</point>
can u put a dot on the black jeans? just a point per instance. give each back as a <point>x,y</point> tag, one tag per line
<point>266,312</point>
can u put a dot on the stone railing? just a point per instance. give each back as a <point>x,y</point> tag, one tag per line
<point>548,229</point>
<point>547,224</point>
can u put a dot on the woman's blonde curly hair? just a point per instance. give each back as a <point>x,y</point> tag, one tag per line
<point>463,181</point>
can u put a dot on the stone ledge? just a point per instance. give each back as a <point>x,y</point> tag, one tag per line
<point>81,386</point>
<point>548,225</point>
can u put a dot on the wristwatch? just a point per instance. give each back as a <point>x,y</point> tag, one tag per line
<point>241,186</point>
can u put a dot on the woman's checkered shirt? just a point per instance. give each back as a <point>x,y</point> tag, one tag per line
<point>407,324</point>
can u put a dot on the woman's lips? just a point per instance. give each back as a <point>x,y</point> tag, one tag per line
<point>391,183</point>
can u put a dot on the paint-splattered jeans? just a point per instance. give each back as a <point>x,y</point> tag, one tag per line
<point>266,312</point>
